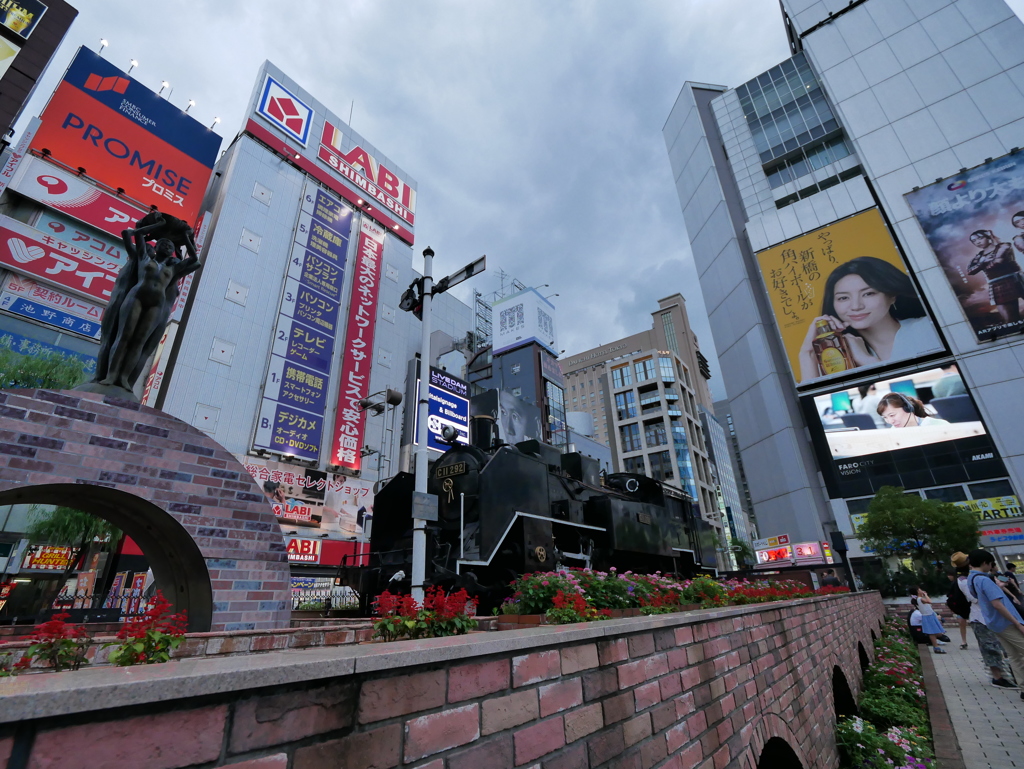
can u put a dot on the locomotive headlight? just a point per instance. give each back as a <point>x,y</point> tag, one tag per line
<point>449,433</point>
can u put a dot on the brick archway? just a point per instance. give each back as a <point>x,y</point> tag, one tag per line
<point>204,523</point>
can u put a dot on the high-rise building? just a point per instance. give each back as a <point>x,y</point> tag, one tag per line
<point>853,214</point>
<point>644,393</point>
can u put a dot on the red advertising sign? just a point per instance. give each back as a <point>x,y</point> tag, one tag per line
<point>364,171</point>
<point>38,255</point>
<point>48,558</point>
<point>65,192</point>
<point>125,136</point>
<point>18,153</point>
<point>303,550</point>
<point>357,354</point>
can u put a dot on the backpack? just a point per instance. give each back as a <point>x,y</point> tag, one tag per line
<point>958,602</point>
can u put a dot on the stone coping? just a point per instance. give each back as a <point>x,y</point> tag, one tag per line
<point>43,696</point>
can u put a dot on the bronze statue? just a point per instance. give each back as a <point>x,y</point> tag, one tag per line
<point>141,301</point>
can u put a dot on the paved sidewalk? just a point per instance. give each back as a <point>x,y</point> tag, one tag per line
<point>989,722</point>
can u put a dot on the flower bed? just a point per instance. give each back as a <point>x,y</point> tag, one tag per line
<point>583,595</point>
<point>892,731</point>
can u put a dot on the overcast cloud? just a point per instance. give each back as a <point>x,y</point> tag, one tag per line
<point>533,129</point>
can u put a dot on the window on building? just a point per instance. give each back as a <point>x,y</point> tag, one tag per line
<point>625,404</point>
<point>556,400</point>
<point>622,376</point>
<point>669,327</point>
<point>630,435</point>
<point>655,433</point>
<point>644,369</point>
<point>634,465</point>
<point>987,489</point>
<point>685,372</point>
<point>668,371</point>
<point>661,466</point>
<point>650,401</point>
<point>947,494</point>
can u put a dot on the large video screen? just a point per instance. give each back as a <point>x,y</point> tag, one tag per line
<point>844,301</point>
<point>974,222</point>
<point>913,431</point>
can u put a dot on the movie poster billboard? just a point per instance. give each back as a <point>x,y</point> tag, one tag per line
<point>974,222</point>
<point>515,420</point>
<point>305,499</point>
<point>843,300</point>
<point>125,136</point>
<point>915,431</point>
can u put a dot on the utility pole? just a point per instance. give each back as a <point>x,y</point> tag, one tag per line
<point>422,503</point>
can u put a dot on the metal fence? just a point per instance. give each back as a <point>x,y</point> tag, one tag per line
<point>325,599</point>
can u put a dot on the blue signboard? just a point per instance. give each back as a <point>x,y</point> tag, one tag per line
<point>297,380</point>
<point>51,316</point>
<point>449,406</point>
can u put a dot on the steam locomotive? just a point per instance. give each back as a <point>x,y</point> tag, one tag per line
<point>505,510</point>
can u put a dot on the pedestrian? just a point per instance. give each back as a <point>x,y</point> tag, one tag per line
<point>959,604</point>
<point>930,624</point>
<point>992,654</point>
<point>1000,615</point>
<point>830,579</point>
<point>1012,584</point>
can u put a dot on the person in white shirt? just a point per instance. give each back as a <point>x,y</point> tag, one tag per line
<point>900,410</point>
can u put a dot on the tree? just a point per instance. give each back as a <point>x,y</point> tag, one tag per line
<point>744,552</point>
<point>905,525</point>
<point>43,369</point>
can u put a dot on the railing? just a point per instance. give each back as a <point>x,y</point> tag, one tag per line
<point>325,599</point>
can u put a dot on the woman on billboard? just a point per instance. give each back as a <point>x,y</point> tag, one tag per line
<point>900,410</point>
<point>870,313</point>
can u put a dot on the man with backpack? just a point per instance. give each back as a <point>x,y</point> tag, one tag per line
<point>998,613</point>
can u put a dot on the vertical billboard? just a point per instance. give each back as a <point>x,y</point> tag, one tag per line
<point>448,407</point>
<point>974,222</point>
<point>291,416</point>
<point>125,136</point>
<point>357,353</point>
<point>523,318</point>
<point>843,300</point>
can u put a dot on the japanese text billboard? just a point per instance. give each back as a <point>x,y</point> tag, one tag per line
<point>125,136</point>
<point>41,256</point>
<point>310,499</point>
<point>974,222</point>
<point>24,297</point>
<point>295,391</point>
<point>357,354</point>
<point>523,318</point>
<point>844,301</point>
<point>67,193</point>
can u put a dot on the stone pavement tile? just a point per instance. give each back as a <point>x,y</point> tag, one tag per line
<point>989,722</point>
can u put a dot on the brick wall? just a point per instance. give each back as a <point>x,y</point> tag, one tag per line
<point>706,689</point>
<point>156,468</point>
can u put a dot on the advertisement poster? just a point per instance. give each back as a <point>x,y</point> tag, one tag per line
<point>993,508</point>
<point>515,419</point>
<point>298,376</point>
<point>915,431</point>
<point>357,354</point>
<point>974,222</point>
<point>305,499</point>
<point>67,230</point>
<point>843,300</point>
<point>22,16</point>
<point>448,407</point>
<point>126,136</point>
<point>65,192</point>
<point>523,318</point>
<point>40,256</point>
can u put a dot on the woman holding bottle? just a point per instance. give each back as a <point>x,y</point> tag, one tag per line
<point>870,313</point>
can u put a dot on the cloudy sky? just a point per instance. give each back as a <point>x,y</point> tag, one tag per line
<point>532,128</point>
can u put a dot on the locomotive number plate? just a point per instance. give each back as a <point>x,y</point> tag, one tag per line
<point>644,518</point>
<point>456,469</point>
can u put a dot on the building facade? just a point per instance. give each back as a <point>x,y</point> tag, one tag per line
<point>879,161</point>
<point>644,393</point>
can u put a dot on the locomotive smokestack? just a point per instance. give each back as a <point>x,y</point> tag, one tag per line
<point>481,431</point>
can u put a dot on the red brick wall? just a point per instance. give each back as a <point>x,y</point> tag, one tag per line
<point>68,437</point>
<point>703,690</point>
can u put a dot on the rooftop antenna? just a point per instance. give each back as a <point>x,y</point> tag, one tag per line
<point>351,109</point>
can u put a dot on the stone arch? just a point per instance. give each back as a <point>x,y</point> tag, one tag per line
<point>843,701</point>
<point>873,636</point>
<point>202,520</point>
<point>773,738</point>
<point>862,656</point>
